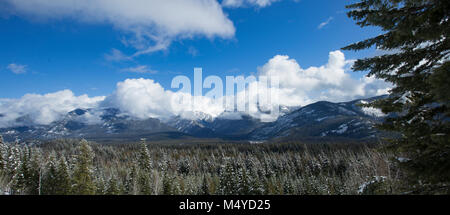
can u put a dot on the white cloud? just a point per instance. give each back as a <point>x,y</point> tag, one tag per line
<point>140,69</point>
<point>43,109</point>
<point>323,24</point>
<point>150,25</point>
<point>117,55</point>
<point>17,68</point>
<point>330,82</point>
<point>143,98</point>
<point>242,3</point>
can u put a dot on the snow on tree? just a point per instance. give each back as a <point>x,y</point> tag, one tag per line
<point>83,178</point>
<point>417,44</point>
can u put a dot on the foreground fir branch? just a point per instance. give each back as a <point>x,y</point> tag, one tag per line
<point>416,44</point>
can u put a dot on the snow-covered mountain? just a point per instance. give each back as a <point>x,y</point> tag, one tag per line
<point>223,127</point>
<point>320,119</point>
<point>88,123</point>
<point>227,125</point>
<point>324,119</point>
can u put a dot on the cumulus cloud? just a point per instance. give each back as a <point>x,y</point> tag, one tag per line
<point>144,98</point>
<point>330,82</point>
<point>150,25</point>
<point>241,3</point>
<point>297,86</point>
<point>17,68</point>
<point>42,109</point>
<point>323,24</point>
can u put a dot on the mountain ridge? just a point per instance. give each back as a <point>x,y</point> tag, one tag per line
<point>318,120</point>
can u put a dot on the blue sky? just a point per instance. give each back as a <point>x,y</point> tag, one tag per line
<point>66,53</point>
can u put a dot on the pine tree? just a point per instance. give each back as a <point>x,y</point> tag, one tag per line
<point>29,174</point>
<point>417,33</point>
<point>112,187</point>
<point>205,187</point>
<point>256,187</point>
<point>56,179</point>
<point>34,180</point>
<point>83,178</point>
<point>167,185</point>
<point>13,169</point>
<point>176,186</point>
<point>144,158</point>
<point>183,166</point>
<point>3,160</point>
<point>131,186</point>
<point>144,183</point>
<point>21,173</point>
<point>50,181</point>
<point>144,170</point>
<point>100,185</point>
<point>244,186</point>
<point>2,155</point>
<point>288,188</point>
<point>64,184</point>
<point>228,180</point>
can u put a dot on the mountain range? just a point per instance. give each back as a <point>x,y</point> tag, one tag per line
<point>318,120</point>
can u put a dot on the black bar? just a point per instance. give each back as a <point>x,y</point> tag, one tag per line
<point>245,205</point>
